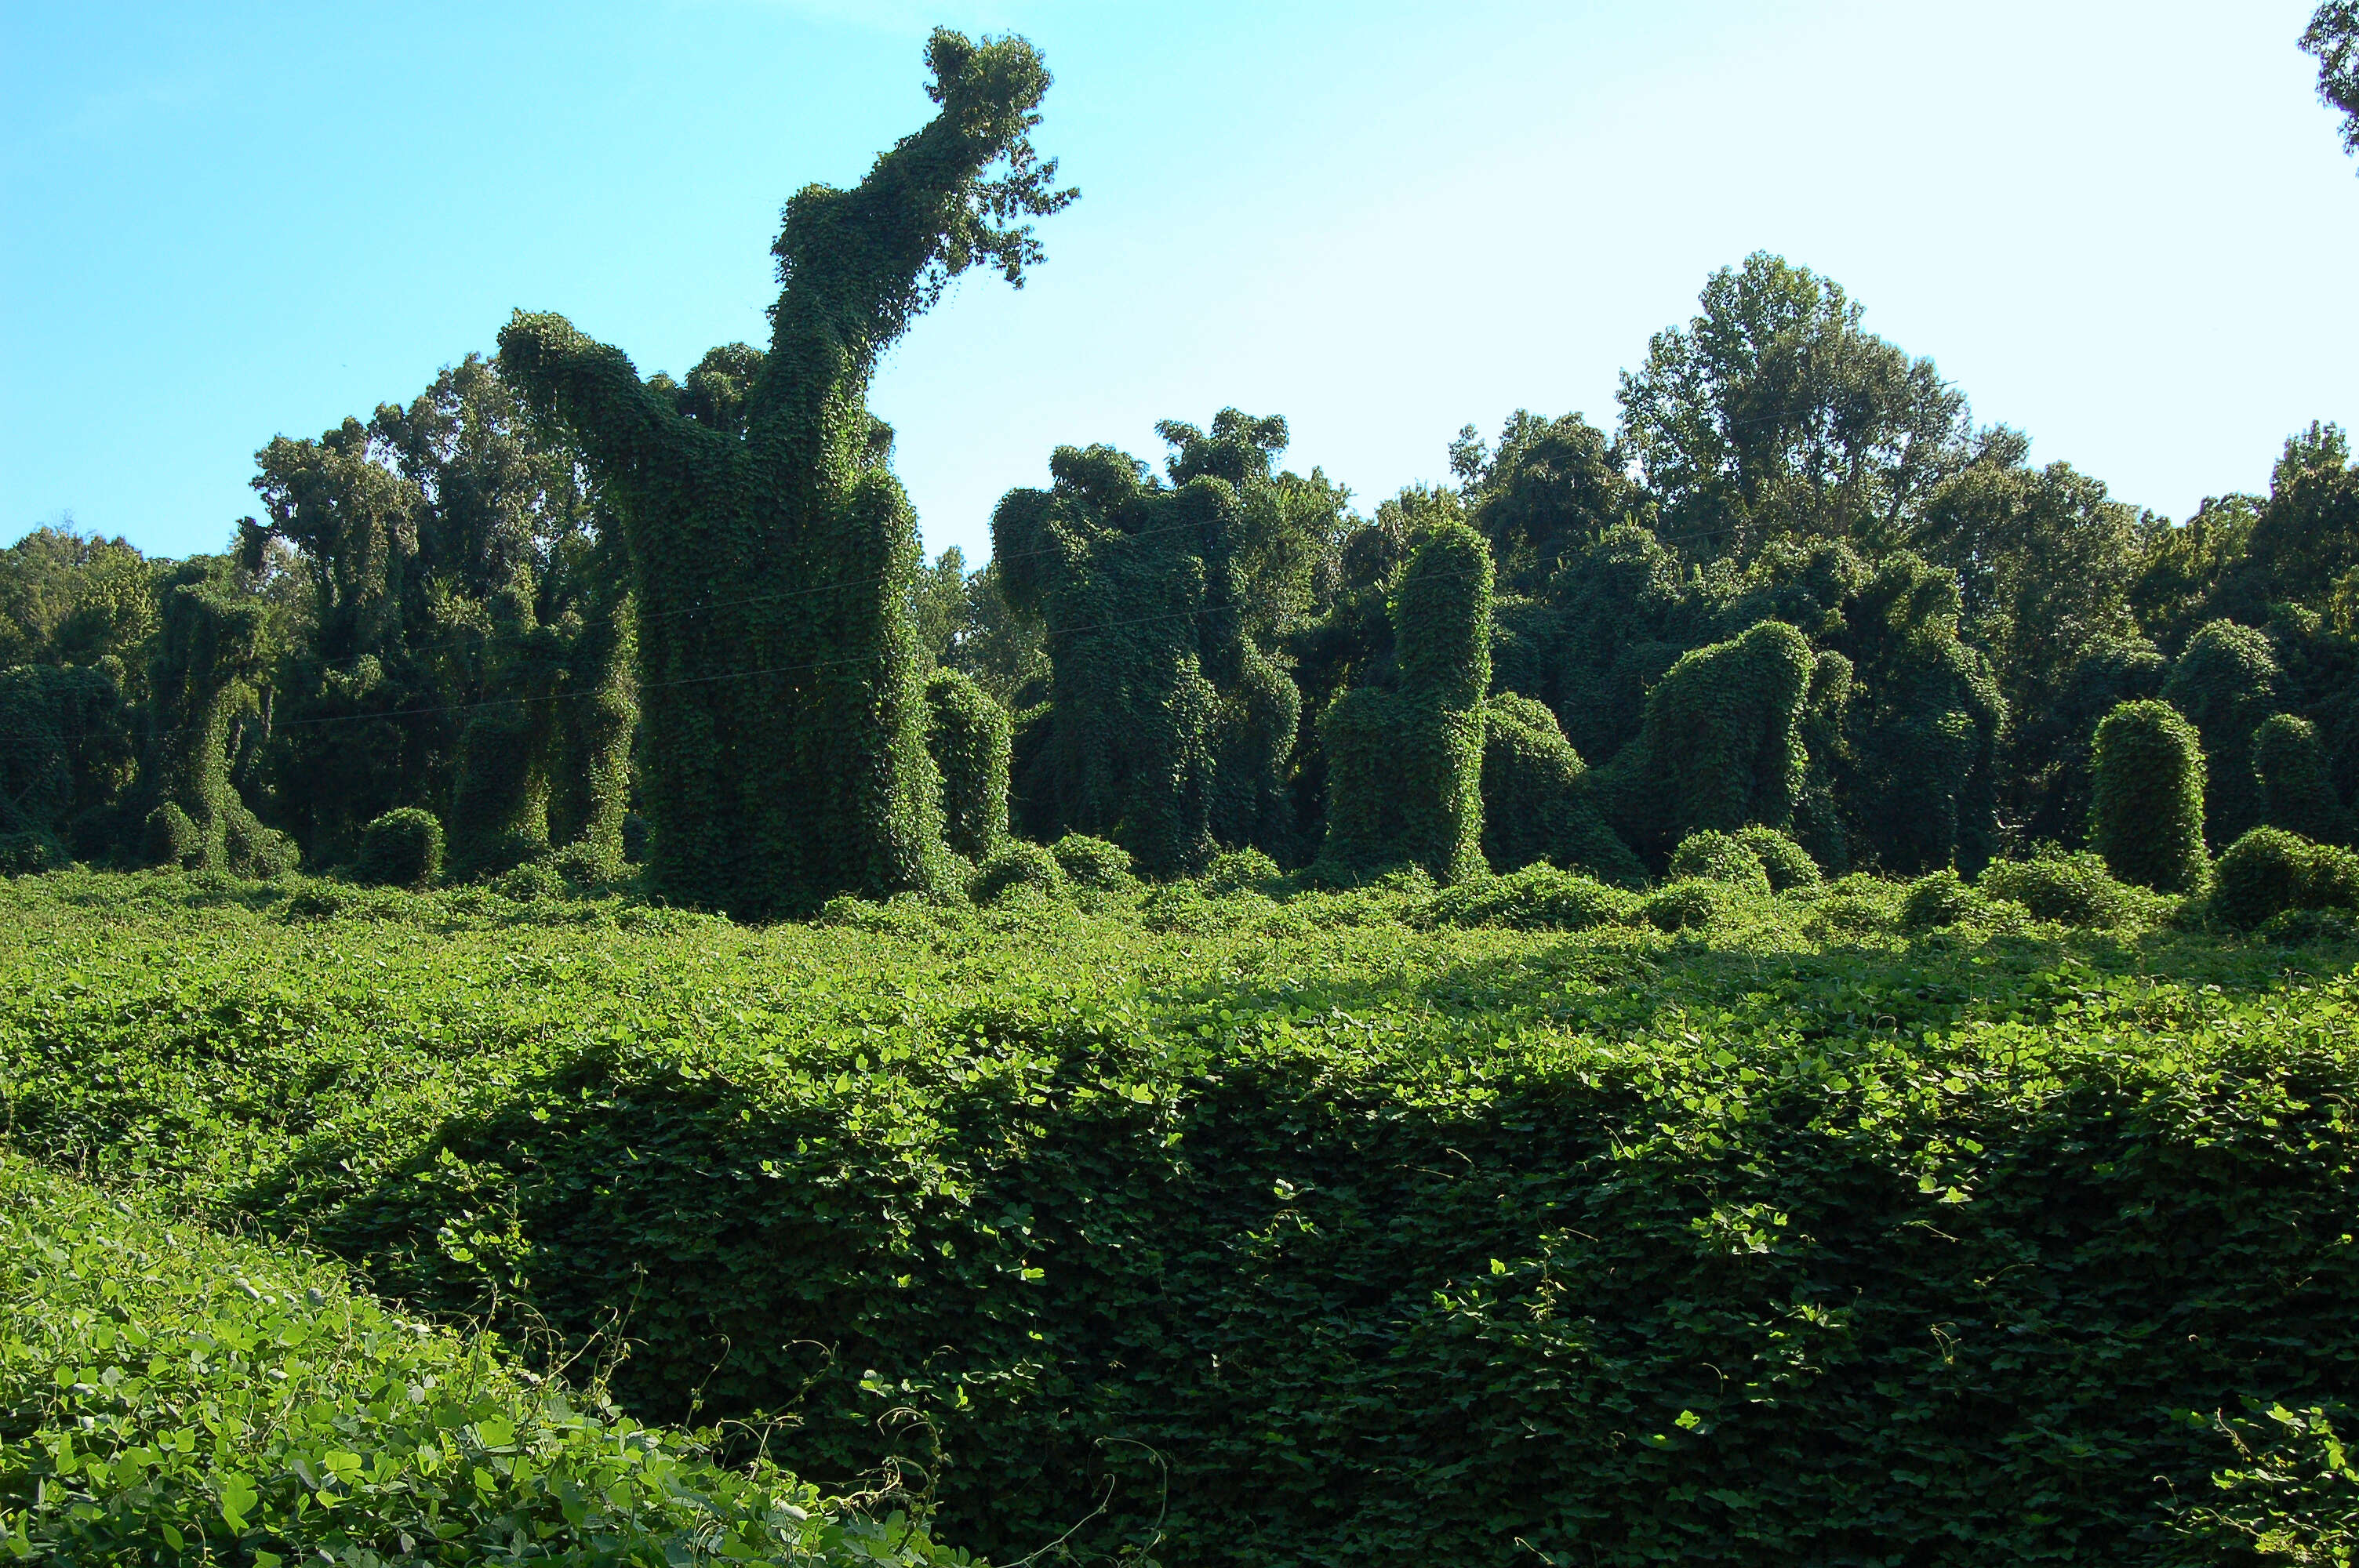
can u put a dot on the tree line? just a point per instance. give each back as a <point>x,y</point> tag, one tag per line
<point>553,614</point>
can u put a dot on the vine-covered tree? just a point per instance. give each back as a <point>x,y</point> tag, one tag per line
<point>462,632</point>
<point>1172,717</point>
<point>784,713</point>
<point>66,757</point>
<point>1537,800</point>
<point>1719,747</point>
<point>213,645</point>
<point>2147,815</point>
<point>2296,793</point>
<point>1405,758</point>
<point>2226,682</point>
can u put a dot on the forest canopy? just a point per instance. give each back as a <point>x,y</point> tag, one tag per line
<point>554,621</point>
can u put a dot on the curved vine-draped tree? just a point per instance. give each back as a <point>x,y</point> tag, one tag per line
<point>1536,797</point>
<point>783,710</point>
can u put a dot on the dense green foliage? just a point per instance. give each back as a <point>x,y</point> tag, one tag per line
<point>171,1396</point>
<point>1243,1097</point>
<point>1332,1227</point>
<point>2147,821</point>
<point>65,754</point>
<point>2295,792</point>
<point>2071,889</point>
<point>401,849</point>
<point>1169,724</point>
<point>1798,591</point>
<point>210,649</point>
<point>1405,762</point>
<point>2269,872</point>
<point>1721,743</point>
<point>967,732</point>
<point>458,628</point>
<point>2225,682</point>
<point>1717,857</point>
<point>1537,801</point>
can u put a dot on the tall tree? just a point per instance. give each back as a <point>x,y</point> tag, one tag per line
<point>1774,412</point>
<point>784,706</point>
<point>2333,37</point>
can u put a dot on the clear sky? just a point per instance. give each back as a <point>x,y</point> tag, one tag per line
<point>2122,225</point>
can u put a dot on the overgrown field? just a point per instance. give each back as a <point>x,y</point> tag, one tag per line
<point>1315,1228</point>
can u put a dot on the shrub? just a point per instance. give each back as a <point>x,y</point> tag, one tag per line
<point>1019,865</point>
<point>588,865</point>
<point>337,901</point>
<point>2269,870</point>
<point>2072,889</point>
<point>29,854</point>
<point>170,838</point>
<point>1786,863</point>
<point>2146,815</point>
<point>1857,905</point>
<point>263,853</point>
<point>530,881</point>
<point>1537,898</point>
<point>1091,863</point>
<point>401,849</point>
<point>1694,904</point>
<point>1940,899</point>
<point>2299,928</point>
<point>1234,870</point>
<point>1719,857</point>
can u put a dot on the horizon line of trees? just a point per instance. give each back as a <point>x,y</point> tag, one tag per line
<point>552,614</point>
<point>1564,653</point>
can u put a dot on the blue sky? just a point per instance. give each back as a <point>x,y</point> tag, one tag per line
<point>2125,228</point>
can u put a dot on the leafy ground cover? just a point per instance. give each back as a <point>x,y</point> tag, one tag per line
<point>1260,1228</point>
<point>169,1395</point>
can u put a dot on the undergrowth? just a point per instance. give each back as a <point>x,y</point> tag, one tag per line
<point>168,1395</point>
<point>1273,1225</point>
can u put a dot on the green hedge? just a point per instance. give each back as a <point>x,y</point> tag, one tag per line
<point>1367,1244</point>
<point>167,1395</point>
<point>2270,871</point>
